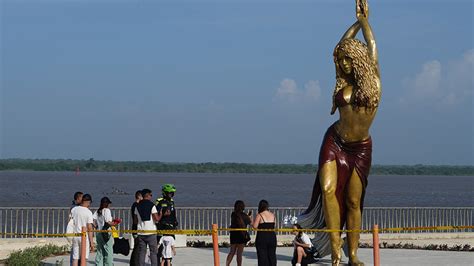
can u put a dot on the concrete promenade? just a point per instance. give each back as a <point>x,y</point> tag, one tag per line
<point>8,245</point>
<point>203,257</point>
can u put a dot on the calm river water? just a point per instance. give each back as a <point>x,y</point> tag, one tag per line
<point>30,189</point>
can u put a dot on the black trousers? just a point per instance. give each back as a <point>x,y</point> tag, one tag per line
<point>134,258</point>
<point>266,254</point>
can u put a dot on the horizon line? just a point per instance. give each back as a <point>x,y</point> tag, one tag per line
<point>211,162</point>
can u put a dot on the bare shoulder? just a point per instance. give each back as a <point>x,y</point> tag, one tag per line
<point>269,215</point>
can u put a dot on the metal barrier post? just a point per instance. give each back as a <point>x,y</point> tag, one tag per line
<point>83,245</point>
<point>215,245</point>
<point>376,250</point>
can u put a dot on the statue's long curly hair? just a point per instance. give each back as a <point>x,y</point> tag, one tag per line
<point>366,91</point>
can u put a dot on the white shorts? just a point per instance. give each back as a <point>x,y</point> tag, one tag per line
<point>76,248</point>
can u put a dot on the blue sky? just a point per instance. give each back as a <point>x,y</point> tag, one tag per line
<point>227,81</point>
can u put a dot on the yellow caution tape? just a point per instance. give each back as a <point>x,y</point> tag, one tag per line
<point>41,235</point>
<point>161,232</point>
<point>209,232</point>
<point>290,230</point>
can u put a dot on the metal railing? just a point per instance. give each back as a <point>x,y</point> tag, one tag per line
<point>53,220</point>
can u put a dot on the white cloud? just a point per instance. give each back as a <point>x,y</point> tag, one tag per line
<point>428,80</point>
<point>448,84</point>
<point>459,77</point>
<point>313,90</point>
<point>288,91</point>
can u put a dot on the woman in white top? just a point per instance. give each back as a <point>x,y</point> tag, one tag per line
<point>302,244</point>
<point>105,242</point>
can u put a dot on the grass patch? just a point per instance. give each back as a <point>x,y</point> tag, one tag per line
<point>33,256</point>
<point>443,247</point>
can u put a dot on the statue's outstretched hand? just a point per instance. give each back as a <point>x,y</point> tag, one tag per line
<point>362,9</point>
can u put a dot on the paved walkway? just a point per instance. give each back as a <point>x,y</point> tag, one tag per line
<point>203,257</point>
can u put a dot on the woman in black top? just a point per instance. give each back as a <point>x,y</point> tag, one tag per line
<point>239,219</point>
<point>266,241</point>
<point>134,259</point>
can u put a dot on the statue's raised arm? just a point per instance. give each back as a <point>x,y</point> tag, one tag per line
<point>362,14</point>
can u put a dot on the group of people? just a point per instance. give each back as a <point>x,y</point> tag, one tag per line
<point>82,216</point>
<point>265,241</point>
<point>147,216</point>
<point>151,216</point>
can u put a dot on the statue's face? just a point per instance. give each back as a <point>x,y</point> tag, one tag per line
<point>345,63</point>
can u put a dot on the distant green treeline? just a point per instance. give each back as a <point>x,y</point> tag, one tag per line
<point>155,166</point>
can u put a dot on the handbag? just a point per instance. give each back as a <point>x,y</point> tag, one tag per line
<point>121,246</point>
<point>105,235</point>
<point>115,233</point>
<point>245,233</point>
<point>246,236</point>
<point>70,229</point>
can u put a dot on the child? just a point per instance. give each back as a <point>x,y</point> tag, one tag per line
<point>168,250</point>
<point>167,242</point>
<point>303,246</point>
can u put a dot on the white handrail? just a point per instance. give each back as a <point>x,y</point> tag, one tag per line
<point>54,219</point>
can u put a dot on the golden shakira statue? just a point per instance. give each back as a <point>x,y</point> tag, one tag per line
<point>346,152</point>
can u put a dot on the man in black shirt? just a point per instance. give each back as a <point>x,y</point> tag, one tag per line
<point>134,258</point>
<point>146,216</point>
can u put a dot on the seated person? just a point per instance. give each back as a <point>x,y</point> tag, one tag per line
<point>304,251</point>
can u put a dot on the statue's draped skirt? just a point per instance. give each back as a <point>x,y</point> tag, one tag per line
<point>348,156</point>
